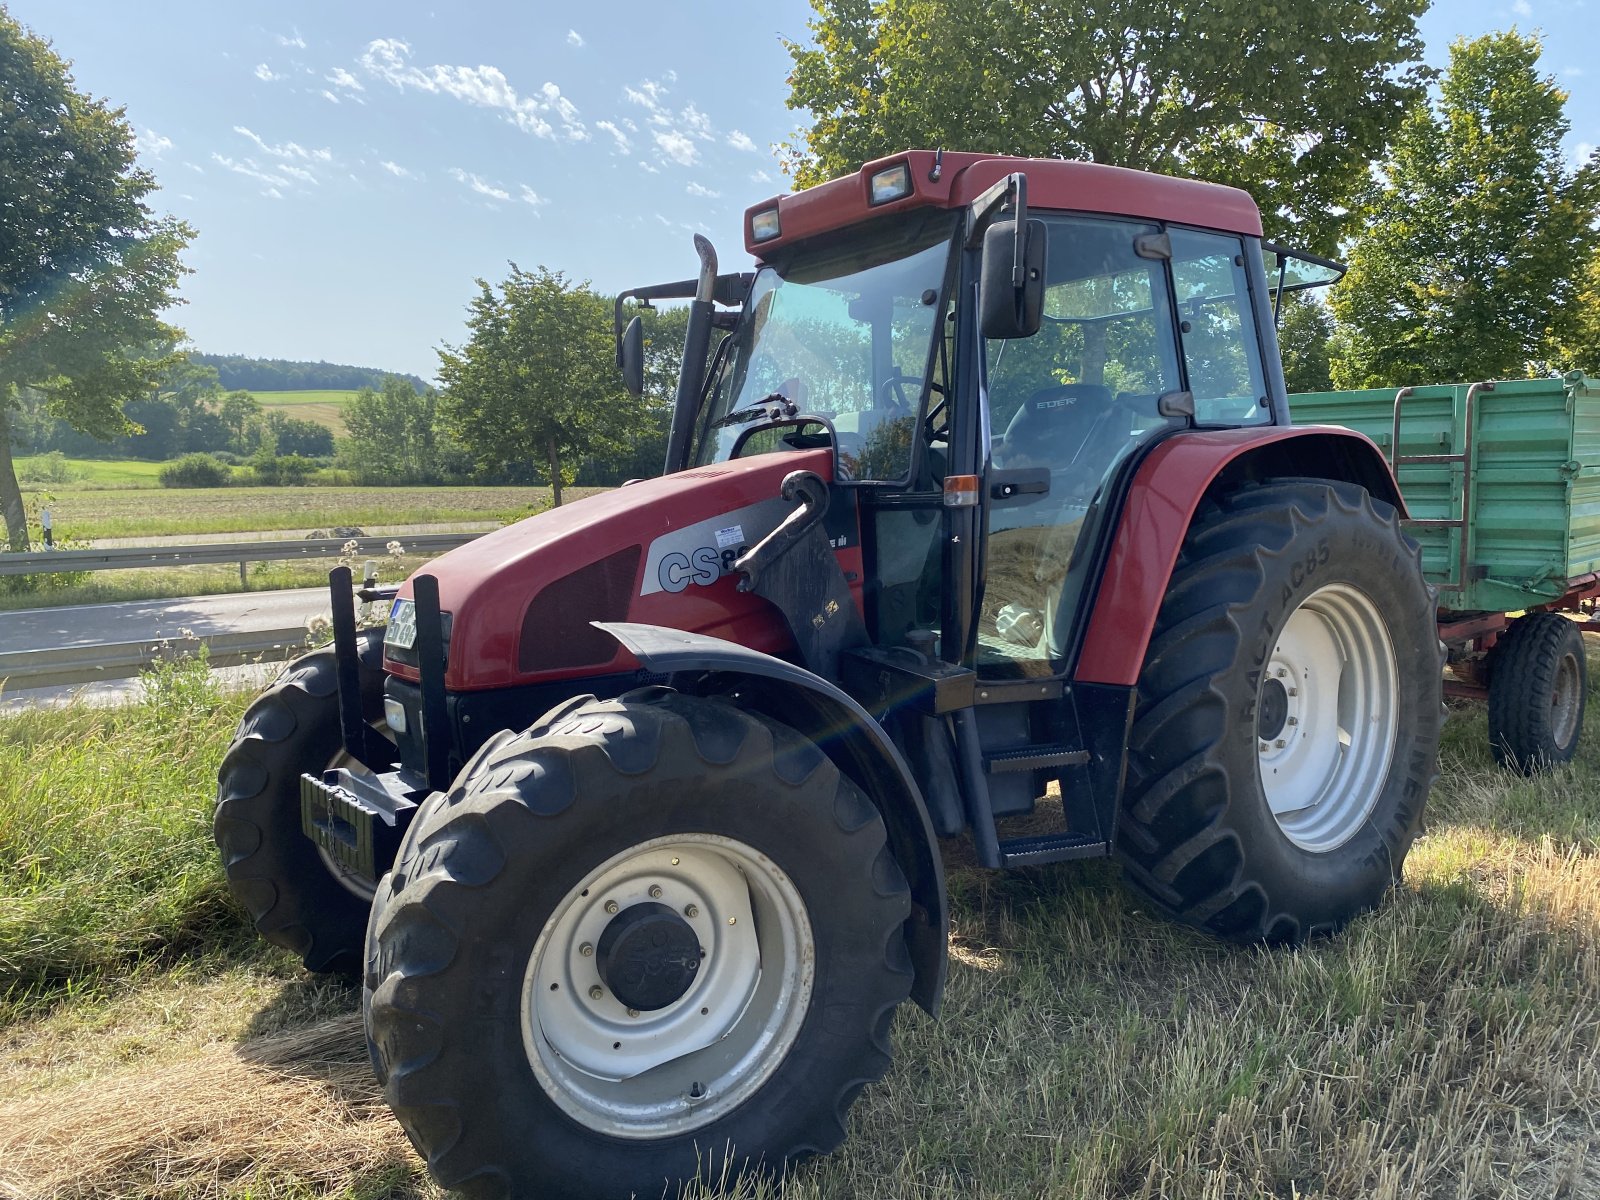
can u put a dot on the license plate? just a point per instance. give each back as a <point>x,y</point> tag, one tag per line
<point>402,630</point>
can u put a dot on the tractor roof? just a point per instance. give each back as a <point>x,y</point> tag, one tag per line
<point>963,177</point>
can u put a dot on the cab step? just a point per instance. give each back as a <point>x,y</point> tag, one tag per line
<point>1051,847</point>
<point>1034,758</point>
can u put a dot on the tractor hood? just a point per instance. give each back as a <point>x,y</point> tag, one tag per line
<point>519,602</point>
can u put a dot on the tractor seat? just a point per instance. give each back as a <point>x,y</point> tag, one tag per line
<point>1051,427</point>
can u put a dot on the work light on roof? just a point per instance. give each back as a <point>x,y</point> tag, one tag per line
<point>891,183</point>
<point>764,225</point>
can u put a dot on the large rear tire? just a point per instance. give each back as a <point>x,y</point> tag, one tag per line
<point>297,896</point>
<point>649,939</point>
<point>1538,685</point>
<point>1288,715</point>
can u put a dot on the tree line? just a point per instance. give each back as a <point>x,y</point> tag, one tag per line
<point>241,372</point>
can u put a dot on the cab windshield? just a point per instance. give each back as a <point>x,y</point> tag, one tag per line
<point>845,336</point>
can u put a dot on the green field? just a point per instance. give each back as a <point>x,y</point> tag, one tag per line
<point>1445,1046</point>
<point>324,407</point>
<point>86,512</point>
<point>94,472</point>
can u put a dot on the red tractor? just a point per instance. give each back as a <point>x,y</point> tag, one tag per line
<point>629,817</point>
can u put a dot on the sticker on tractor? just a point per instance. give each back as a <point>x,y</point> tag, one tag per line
<point>702,553</point>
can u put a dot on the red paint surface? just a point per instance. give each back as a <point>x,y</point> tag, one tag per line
<point>1052,184</point>
<point>1165,493</point>
<point>487,584</point>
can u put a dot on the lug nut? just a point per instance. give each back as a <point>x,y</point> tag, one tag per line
<point>1293,721</point>
<point>733,920</point>
<point>596,992</point>
<point>1280,743</point>
<point>1265,747</point>
<point>587,949</point>
<point>674,862</point>
<point>633,1012</point>
<point>1294,691</point>
<point>611,906</point>
<point>692,911</point>
<point>655,891</point>
<point>1282,672</point>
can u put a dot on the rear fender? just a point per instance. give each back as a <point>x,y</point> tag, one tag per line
<point>1167,489</point>
<point>849,735</point>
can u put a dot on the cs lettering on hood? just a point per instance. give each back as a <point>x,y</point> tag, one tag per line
<point>702,553</point>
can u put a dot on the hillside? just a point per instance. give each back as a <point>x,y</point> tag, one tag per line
<point>282,374</point>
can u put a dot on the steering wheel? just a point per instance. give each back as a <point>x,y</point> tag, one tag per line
<point>894,389</point>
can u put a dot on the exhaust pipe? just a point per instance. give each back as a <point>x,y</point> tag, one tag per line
<point>696,343</point>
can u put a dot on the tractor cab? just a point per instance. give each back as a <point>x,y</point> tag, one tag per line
<point>980,423</point>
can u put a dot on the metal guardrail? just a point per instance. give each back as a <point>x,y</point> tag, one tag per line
<point>112,558</point>
<point>92,662</point>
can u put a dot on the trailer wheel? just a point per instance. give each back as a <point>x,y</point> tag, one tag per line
<point>1538,683</point>
<point>657,939</point>
<point>1288,715</point>
<point>297,896</point>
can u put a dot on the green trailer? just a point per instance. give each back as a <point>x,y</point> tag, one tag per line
<point>1502,482</point>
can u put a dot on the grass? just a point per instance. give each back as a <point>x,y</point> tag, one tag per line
<point>1445,1046</point>
<point>90,513</point>
<point>325,407</point>
<point>97,473</point>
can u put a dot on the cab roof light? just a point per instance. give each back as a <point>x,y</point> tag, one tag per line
<point>764,225</point>
<point>889,184</point>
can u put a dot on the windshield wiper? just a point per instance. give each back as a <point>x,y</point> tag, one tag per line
<point>773,407</point>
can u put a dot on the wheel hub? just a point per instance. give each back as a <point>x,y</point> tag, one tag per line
<point>648,956</point>
<point>1274,709</point>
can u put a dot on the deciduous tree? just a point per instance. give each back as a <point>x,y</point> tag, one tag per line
<point>536,381</point>
<point>85,265</point>
<point>1303,338</point>
<point>396,435</point>
<point>1288,100</point>
<point>1472,255</point>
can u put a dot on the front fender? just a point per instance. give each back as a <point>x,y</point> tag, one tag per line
<point>1168,487</point>
<point>850,736</point>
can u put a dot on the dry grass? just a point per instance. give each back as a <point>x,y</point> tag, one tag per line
<point>1447,1046</point>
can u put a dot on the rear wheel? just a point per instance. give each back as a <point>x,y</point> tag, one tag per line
<point>1538,685</point>
<point>649,939</point>
<point>1288,715</point>
<point>296,895</point>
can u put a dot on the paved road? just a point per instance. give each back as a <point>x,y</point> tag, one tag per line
<point>152,620</point>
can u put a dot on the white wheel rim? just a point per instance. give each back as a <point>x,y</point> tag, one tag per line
<point>1564,701</point>
<point>675,1069</point>
<point>1332,680</point>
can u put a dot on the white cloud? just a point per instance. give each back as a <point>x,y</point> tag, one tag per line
<point>1572,72</point>
<point>395,169</point>
<point>339,77</point>
<point>479,185</point>
<point>696,122</point>
<point>697,189</point>
<point>296,41</point>
<point>647,95</point>
<point>741,141</point>
<point>294,172</point>
<point>624,146</point>
<point>529,196</point>
<point>287,150</point>
<point>264,73</point>
<point>760,177</point>
<point>678,147</point>
<point>275,194</point>
<point>574,38</point>
<point>1583,152</point>
<point>483,86</point>
<point>329,96</point>
<point>196,168</point>
<point>150,144</point>
<point>250,169</point>
<point>649,168</point>
<point>1522,8</point>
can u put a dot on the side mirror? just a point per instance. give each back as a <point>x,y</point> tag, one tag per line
<point>1006,310</point>
<point>631,357</point>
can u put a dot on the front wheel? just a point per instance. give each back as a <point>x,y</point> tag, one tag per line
<point>1288,715</point>
<point>650,939</point>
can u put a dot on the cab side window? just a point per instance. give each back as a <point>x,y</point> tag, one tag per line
<point>1217,330</point>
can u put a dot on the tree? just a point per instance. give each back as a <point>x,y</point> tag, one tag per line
<point>85,265</point>
<point>1473,253</point>
<point>537,381</point>
<point>241,413</point>
<point>395,435</point>
<point>1303,339</point>
<point>1288,100</point>
<point>1578,339</point>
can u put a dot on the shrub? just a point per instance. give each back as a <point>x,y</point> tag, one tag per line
<point>196,471</point>
<point>49,468</point>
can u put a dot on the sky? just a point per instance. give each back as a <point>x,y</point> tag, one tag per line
<point>353,168</point>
